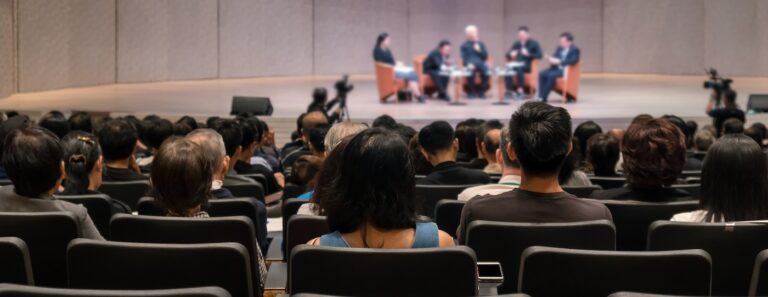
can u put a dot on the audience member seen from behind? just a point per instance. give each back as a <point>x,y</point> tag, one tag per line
<point>118,139</point>
<point>155,132</point>
<point>728,110</point>
<point>691,163</point>
<point>732,126</point>
<point>242,157</point>
<point>81,121</point>
<point>440,146</point>
<point>510,173</point>
<point>654,154</point>
<point>582,133</point>
<point>540,140</point>
<point>366,211</point>
<point>11,124</point>
<point>304,174</point>
<point>34,161</point>
<point>571,174</point>
<point>733,186</point>
<point>308,121</point>
<point>488,148</point>
<point>56,122</point>
<point>603,154</point>
<point>83,163</point>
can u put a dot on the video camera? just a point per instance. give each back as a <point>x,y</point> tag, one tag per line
<point>716,82</point>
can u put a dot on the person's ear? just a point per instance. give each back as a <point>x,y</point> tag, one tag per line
<point>238,150</point>
<point>225,163</point>
<point>499,156</point>
<point>511,152</point>
<point>570,147</point>
<point>455,145</point>
<point>62,171</point>
<point>99,164</point>
<point>424,153</point>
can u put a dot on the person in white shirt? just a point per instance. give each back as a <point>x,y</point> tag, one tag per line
<point>510,174</point>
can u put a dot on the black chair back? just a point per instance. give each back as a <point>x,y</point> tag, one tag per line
<point>99,208</point>
<point>254,190</point>
<point>128,192</point>
<point>693,189</point>
<point>759,284</point>
<point>5,182</point>
<point>149,266</point>
<point>14,256</point>
<point>383,272</point>
<point>547,271</point>
<point>632,219</point>
<point>690,173</point>
<point>427,196</point>
<point>448,215</point>
<point>261,179</point>
<point>582,191</point>
<point>46,235</point>
<point>505,242</point>
<point>290,208</point>
<point>174,230</point>
<point>732,246</point>
<point>227,207</point>
<point>608,182</point>
<point>292,190</point>
<point>302,229</point>
<point>30,291</point>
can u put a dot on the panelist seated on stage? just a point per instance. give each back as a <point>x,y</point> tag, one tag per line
<point>475,57</point>
<point>524,50</point>
<point>382,54</point>
<point>566,54</point>
<point>438,59</point>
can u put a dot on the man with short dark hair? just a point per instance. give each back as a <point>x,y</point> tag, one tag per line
<point>82,121</point>
<point>732,126</point>
<point>438,59</point>
<point>117,138</point>
<point>309,121</point>
<point>540,140</point>
<point>156,130</point>
<point>729,110</point>
<point>56,122</point>
<point>242,159</point>
<point>510,173</point>
<point>566,54</point>
<point>525,50</point>
<point>440,147</point>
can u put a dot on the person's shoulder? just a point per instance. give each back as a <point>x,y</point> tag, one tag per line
<point>691,216</point>
<point>491,200</point>
<point>78,210</point>
<point>609,194</point>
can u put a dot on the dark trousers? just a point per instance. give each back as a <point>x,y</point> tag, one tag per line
<point>441,83</point>
<point>480,70</point>
<point>547,80</point>
<point>519,76</point>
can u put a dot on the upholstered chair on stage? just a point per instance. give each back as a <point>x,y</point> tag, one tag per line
<point>530,83</point>
<point>568,85</point>
<point>387,84</point>
<point>425,82</point>
<point>465,87</point>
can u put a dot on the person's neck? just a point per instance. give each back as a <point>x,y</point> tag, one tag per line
<point>544,184</point>
<point>441,158</point>
<point>93,182</point>
<point>510,171</point>
<point>120,164</point>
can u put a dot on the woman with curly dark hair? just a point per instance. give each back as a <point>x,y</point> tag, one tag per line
<point>654,155</point>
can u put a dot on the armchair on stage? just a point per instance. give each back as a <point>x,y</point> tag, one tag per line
<point>568,85</point>
<point>386,81</point>
<point>465,86</point>
<point>531,81</point>
<point>426,84</point>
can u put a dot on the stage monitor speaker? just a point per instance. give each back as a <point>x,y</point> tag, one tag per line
<point>260,106</point>
<point>758,103</point>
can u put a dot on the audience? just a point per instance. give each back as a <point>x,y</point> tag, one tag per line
<point>56,122</point>
<point>570,173</point>
<point>118,139</point>
<point>364,210</point>
<point>232,134</point>
<point>267,150</point>
<point>83,164</point>
<point>654,155</point>
<point>703,140</point>
<point>733,186</point>
<point>244,150</point>
<point>488,148</point>
<point>11,124</point>
<point>34,161</point>
<point>304,174</point>
<point>732,126</point>
<point>308,121</point>
<point>81,121</point>
<point>467,133</point>
<point>761,130</point>
<point>729,110</point>
<point>540,140</point>
<point>510,173</point>
<point>691,163</point>
<point>181,178</point>
<point>316,140</point>
<point>603,154</point>
<point>420,163</point>
<point>155,131</point>
<point>440,147</point>
<point>582,133</point>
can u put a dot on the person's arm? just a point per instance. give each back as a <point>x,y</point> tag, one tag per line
<point>465,50</point>
<point>535,52</point>
<point>87,226</point>
<point>445,239</point>
<point>483,52</point>
<point>573,57</point>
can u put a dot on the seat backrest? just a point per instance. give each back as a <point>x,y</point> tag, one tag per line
<point>690,173</point>
<point>582,191</point>
<point>632,219</point>
<point>148,266</point>
<point>385,78</point>
<point>302,229</point>
<point>292,190</point>
<point>693,189</point>
<point>174,230</point>
<point>227,207</point>
<point>254,190</point>
<point>259,178</point>
<point>547,271</point>
<point>99,208</point>
<point>128,192</point>
<point>290,208</point>
<point>427,196</point>
<point>573,75</point>
<point>608,182</point>
<point>30,291</point>
<point>448,215</point>
<point>732,246</point>
<point>46,235</point>
<point>383,272</point>
<point>16,265</point>
<point>505,242</point>
<point>5,182</point>
<point>759,284</point>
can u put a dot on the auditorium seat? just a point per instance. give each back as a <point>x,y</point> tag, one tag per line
<point>632,219</point>
<point>548,271</point>
<point>46,235</point>
<point>531,80</point>
<point>174,230</point>
<point>16,265</point>
<point>425,82</point>
<point>324,295</point>
<point>690,173</point>
<point>759,284</point>
<point>259,178</point>
<point>448,215</point>
<point>427,196</point>
<point>99,208</point>
<point>568,85</point>
<point>608,182</point>
<point>290,208</point>
<point>693,189</point>
<point>30,291</point>
<point>292,190</point>
<point>216,208</point>
<point>5,182</point>
<point>300,230</point>
<point>633,294</point>
<point>581,191</point>
<point>247,190</point>
<point>505,242</point>
<point>148,266</point>
<point>129,192</point>
<point>387,84</point>
<point>732,246</point>
<point>383,272</point>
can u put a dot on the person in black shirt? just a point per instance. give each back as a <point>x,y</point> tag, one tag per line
<point>118,139</point>
<point>729,110</point>
<point>382,54</point>
<point>440,146</point>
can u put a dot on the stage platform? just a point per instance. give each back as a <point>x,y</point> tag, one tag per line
<point>610,99</point>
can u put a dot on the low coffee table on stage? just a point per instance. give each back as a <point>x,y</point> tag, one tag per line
<point>502,73</point>
<point>456,75</point>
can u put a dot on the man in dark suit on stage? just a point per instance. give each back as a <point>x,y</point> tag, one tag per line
<point>565,55</point>
<point>523,50</point>
<point>474,55</point>
<point>432,65</point>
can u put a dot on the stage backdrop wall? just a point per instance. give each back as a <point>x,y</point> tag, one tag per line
<point>68,43</point>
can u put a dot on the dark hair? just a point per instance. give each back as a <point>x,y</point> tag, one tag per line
<point>155,132</point>
<point>567,35</point>
<point>211,121</point>
<point>250,131</point>
<point>351,191</point>
<point>733,178</point>
<point>319,95</point>
<point>406,132</point>
<point>541,136</point>
<point>420,164</point>
<point>730,96</point>
<point>654,153</point>
<point>381,38</point>
<point>189,121</point>
<point>443,43</point>
<point>733,126</point>
<point>181,129</point>
<point>317,136</point>
<point>181,176</point>
<point>231,132</point>
<point>641,118</point>
<point>81,153</point>
<point>436,137</point>
<point>468,132</point>
<point>117,138</point>
<point>81,121</point>
<point>691,128</point>
<point>12,124</point>
<point>385,122</point>
<point>32,159</point>
<point>569,164</point>
<point>56,122</point>
<point>755,134</point>
<point>603,153</point>
<point>582,133</point>
<point>522,28</point>
<point>304,171</point>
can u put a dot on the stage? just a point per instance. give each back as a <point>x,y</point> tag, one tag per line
<point>610,99</point>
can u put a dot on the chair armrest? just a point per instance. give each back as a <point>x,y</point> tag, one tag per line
<point>277,276</point>
<point>275,252</point>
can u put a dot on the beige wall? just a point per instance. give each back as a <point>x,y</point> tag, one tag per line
<point>66,43</point>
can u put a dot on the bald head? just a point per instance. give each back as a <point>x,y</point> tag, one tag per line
<point>491,141</point>
<point>212,144</point>
<point>311,120</point>
<point>340,131</point>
